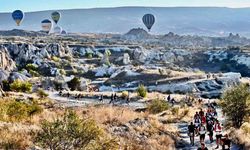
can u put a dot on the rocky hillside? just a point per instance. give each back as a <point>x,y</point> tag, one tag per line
<point>185,41</point>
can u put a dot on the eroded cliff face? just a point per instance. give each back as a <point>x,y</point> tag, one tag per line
<point>6,62</point>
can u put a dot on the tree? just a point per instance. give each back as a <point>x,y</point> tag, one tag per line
<point>74,84</point>
<point>21,86</point>
<point>71,132</point>
<point>157,106</point>
<point>236,104</point>
<point>142,91</point>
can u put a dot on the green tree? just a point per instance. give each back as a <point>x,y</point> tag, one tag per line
<point>157,106</point>
<point>71,132</point>
<point>74,84</point>
<point>21,86</point>
<point>142,91</point>
<point>236,104</point>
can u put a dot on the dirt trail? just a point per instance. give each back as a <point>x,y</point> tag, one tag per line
<point>71,101</point>
<point>183,129</point>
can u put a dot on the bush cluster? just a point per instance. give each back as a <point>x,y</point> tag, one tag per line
<point>21,86</point>
<point>157,106</point>
<point>17,111</point>
<point>142,91</point>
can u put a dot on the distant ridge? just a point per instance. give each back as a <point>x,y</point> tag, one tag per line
<point>212,21</point>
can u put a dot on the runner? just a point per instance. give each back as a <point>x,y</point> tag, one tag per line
<point>196,116</point>
<point>101,98</point>
<point>210,129</point>
<point>201,113</point>
<point>226,143</point>
<point>203,119</point>
<point>203,147</point>
<point>197,123</point>
<point>191,130</point>
<point>202,132</point>
<point>218,129</point>
<point>111,99</point>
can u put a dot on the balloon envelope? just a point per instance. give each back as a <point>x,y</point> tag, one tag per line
<point>148,20</point>
<point>64,32</point>
<point>56,16</point>
<point>46,25</point>
<point>18,16</point>
<point>58,30</point>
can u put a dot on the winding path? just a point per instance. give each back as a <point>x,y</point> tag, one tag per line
<point>183,129</point>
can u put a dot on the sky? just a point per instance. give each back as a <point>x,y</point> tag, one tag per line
<point>39,5</point>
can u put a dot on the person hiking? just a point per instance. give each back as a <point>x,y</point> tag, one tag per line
<point>218,130</point>
<point>202,132</point>
<point>169,98</point>
<point>101,98</point>
<point>201,113</point>
<point>196,116</point>
<point>191,130</point>
<point>197,123</point>
<point>128,99</point>
<point>203,147</point>
<point>115,97</point>
<point>203,119</point>
<point>226,143</point>
<point>210,130</point>
<point>111,99</point>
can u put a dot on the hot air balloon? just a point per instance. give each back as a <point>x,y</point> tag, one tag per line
<point>148,21</point>
<point>46,25</point>
<point>63,32</point>
<point>57,30</point>
<point>55,16</point>
<point>18,16</point>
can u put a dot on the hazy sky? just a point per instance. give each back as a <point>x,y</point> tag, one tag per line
<point>37,5</point>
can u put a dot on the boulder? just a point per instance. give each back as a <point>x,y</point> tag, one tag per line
<point>4,75</point>
<point>17,76</point>
<point>126,59</point>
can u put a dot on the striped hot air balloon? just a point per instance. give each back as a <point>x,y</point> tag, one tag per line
<point>46,25</point>
<point>18,16</point>
<point>148,21</point>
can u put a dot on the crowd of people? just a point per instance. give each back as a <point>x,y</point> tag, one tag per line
<point>208,123</point>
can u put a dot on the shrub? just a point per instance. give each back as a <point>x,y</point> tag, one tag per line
<point>56,59</point>
<point>62,72</point>
<point>107,52</point>
<point>42,94</point>
<point>124,94</point>
<point>175,111</point>
<point>74,84</point>
<point>157,106</point>
<point>71,132</point>
<point>142,91</point>
<point>30,67</point>
<point>34,73</point>
<point>21,86</point>
<point>34,109</point>
<point>88,55</point>
<point>236,104</point>
<point>6,85</point>
<point>17,111</point>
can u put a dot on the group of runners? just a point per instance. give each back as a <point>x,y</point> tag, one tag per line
<point>208,123</point>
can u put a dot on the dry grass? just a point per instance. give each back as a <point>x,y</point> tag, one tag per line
<point>15,136</point>
<point>109,114</point>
